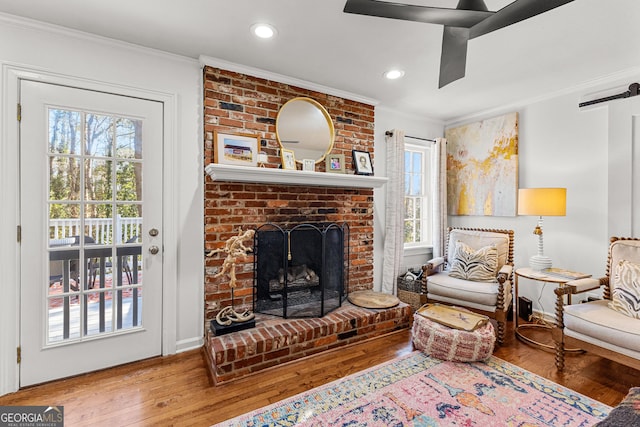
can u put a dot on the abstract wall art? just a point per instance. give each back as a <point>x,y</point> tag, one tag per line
<point>482,167</point>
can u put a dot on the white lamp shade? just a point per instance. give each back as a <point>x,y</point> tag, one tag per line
<point>542,201</point>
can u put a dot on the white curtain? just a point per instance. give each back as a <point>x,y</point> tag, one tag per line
<point>439,213</point>
<point>394,230</point>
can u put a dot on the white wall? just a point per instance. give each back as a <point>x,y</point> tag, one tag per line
<point>560,145</point>
<point>48,50</point>
<point>420,127</point>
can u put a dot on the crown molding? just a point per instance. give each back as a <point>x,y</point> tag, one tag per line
<point>588,85</point>
<point>35,25</point>
<point>410,115</point>
<point>268,75</point>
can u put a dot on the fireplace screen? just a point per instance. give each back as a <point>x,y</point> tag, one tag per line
<point>302,271</point>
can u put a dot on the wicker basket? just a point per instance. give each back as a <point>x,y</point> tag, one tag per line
<point>414,299</point>
<point>410,292</point>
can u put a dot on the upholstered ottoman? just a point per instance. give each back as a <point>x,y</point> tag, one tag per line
<point>447,343</point>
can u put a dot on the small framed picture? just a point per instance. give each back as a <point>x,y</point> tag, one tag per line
<point>362,163</point>
<point>235,149</point>
<point>334,163</point>
<point>288,159</point>
<point>308,165</point>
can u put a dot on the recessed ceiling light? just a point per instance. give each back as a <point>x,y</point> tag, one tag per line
<point>393,74</point>
<point>264,31</point>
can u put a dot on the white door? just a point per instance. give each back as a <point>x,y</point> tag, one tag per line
<point>624,167</point>
<point>91,223</point>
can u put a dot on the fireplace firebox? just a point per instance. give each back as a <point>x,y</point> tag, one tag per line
<point>301,271</point>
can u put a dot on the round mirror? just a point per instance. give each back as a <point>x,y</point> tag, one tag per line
<point>305,127</point>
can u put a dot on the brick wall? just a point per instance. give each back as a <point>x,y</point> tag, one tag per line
<point>238,103</point>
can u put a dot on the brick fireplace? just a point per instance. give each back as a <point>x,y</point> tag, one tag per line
<point>300,272</point>
<point>239,103</point>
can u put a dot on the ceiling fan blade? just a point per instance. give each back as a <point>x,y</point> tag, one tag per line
<point>407,12</point>
<point>454,54</point>
<point>517,11</point>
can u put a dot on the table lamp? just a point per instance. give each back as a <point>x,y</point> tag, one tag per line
<point>541,202</point>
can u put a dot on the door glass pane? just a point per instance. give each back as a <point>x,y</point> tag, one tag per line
<point>64,131</point>
<point>98,223</point>
<point>98,185</point>
<point>64,319</point>
<point>130,221</point>
<point>64,277</point>
<point>129,181</point>
<point>95,243</point>
<point>99,135</point>
<point>64,223</point>
<point>64,178</point>
<point>99,312</point>
<point>131,308</point>
<point>128,138</point>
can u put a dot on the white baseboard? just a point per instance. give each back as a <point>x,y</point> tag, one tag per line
<point>547,317</point>
<point>189,344</point>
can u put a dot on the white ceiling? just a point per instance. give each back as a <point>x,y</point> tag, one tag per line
<point>317,42</point>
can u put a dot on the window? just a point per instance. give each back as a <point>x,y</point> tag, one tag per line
<point>417,195</point>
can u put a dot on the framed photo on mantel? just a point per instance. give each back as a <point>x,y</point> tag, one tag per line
<point>362,163</point>
<point>334,163</point>
<point>288,159</point>
<point>308,165</point>
<point>235,149</point>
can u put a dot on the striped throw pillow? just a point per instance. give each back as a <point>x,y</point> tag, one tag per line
<point>625,296</point>
<point>476,265</point>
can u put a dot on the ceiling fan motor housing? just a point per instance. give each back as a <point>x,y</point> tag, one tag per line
<point>472,5</point>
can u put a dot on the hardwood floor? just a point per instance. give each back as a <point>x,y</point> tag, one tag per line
<point>175,390</point>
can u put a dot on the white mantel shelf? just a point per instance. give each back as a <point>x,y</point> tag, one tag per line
<point>230,173</point>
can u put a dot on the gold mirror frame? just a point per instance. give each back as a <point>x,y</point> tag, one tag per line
<point>304,126</point>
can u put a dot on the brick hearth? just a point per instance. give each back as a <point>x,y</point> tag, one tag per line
<point>275,340</point>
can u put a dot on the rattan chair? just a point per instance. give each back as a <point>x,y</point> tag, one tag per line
<point>594,326</point>
<point>491,298</point>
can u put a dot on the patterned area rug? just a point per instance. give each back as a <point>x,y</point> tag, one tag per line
<point>417,390</point>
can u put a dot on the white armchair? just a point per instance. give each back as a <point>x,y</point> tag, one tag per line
<point>610,327</point>
<point>476,272</point>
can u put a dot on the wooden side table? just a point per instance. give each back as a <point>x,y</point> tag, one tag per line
<point>529,273</point>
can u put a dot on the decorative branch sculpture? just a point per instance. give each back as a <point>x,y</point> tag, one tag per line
<point>235,248</point>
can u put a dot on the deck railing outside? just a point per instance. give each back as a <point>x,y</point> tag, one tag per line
<point>99,229</point>
<point>106,279</point>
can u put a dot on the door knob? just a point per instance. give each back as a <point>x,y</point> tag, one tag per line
<point>154,250</point>
<point>153,232</point>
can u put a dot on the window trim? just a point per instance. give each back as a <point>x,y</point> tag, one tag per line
<point>426,148</point>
